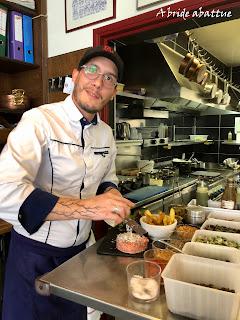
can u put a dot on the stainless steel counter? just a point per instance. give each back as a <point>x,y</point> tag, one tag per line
<point>185,182</point>
<point>100,282</point>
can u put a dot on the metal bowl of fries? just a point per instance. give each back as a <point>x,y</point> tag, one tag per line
<point>160,225</point>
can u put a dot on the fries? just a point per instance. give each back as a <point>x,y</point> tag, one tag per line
<point>159,219</point>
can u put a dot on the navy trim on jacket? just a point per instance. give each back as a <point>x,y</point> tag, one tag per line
<point>103,186</point>
<point>35,208</point>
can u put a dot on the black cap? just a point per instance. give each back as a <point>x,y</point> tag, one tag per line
<point>103,51</point>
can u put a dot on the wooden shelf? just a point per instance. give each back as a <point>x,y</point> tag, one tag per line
<point>5,227</point>
<point>14,66</point>
<point>18,7</point>
<point>233,142</point>
<point>11,111</point>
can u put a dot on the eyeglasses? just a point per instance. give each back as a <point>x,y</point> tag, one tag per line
<point>92,73</point>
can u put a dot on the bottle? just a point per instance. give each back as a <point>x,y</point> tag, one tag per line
<point>202,194</point>
<point>228,200</point>
<point>238,198</point>
<point>229,136</point>
<point>161,130</point>
<point>165,131</point>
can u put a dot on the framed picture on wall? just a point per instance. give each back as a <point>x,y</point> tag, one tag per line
<point>142,4</point>
<point>83,13</point>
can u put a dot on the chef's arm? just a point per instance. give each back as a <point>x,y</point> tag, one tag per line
<point>19,163</point>
<point>47,206</point>
<point>99,207</point>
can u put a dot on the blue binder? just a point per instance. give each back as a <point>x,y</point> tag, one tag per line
<point>28,39</point>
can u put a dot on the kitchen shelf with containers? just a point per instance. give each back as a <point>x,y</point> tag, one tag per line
<point>131,106</point>
<point>16,52</point>
<point>229,141</point>
<point>136,106</point>
<point>232,142</point>
<point>157,142</point>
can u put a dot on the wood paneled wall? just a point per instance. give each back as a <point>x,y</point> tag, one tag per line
<point>62,65</point>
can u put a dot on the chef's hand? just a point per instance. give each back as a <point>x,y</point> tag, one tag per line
<point>110,205</point>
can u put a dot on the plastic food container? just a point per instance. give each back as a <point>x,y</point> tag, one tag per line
<point>224,214</point>
<point>230,237</point>
<point>222,223</point>
<point>186,281</point>
<point>212,252</point>
<point>198,137</point>
<point>218,213</point>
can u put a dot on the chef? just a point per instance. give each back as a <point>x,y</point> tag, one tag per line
<point>57,176</point>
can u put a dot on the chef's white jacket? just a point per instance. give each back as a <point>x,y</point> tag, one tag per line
<point>54,152</point>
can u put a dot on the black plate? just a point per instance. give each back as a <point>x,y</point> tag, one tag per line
<point>108,245</point>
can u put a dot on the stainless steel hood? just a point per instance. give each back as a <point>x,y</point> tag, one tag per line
<point>185,95</point>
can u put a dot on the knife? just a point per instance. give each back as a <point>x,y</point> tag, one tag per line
<point>135,226</point>
<point>130,223</point>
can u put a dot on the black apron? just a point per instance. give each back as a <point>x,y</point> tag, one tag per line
<point>27,260</point>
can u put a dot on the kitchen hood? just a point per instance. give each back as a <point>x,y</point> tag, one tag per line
<point>186,95</point>
<point>153,65</point>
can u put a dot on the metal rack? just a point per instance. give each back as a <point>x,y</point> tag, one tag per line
<point>203,55</point>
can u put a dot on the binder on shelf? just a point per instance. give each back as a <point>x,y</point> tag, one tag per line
<point>27,39</point>
<point>15,35</point>
<point>3,27</point>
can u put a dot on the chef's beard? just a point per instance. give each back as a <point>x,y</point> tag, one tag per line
<point>88,109</point>
<point>81,106</point>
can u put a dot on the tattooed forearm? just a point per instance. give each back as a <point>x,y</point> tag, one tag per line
<point>66,209</point>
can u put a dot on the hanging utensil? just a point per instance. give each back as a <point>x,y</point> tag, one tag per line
<point>190,74</point>
<point>200,73</point>
<point>204,79</point>
<point>210,87</point>
<point>185,64</point>
<point>226,97</point>
<point>200,70</point>
<point>219,96</point>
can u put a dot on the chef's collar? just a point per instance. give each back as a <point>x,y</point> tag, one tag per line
<point>84,122</point>
<point>75,115</point>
